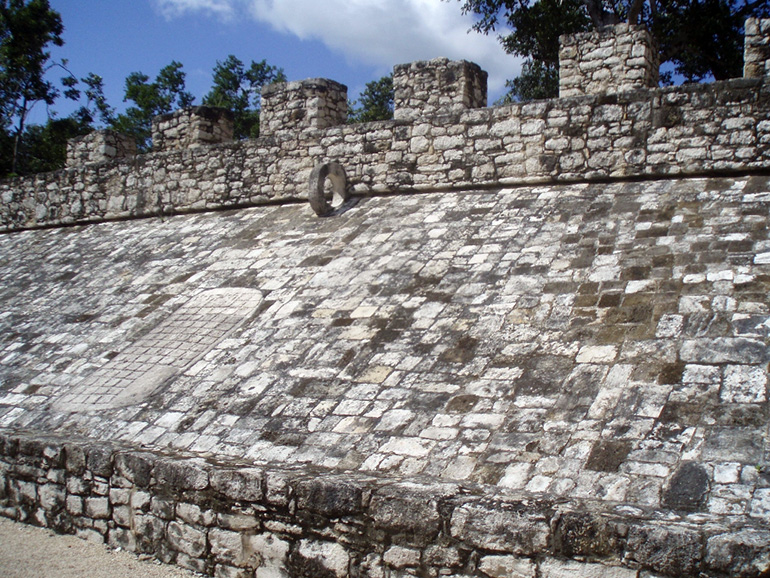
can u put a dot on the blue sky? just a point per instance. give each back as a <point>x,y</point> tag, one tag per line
<point>350,41</point>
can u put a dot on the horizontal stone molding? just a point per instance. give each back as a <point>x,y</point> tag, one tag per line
<point>227,518</point>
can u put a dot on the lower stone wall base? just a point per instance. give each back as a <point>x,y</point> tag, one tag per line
<point>232,520</point>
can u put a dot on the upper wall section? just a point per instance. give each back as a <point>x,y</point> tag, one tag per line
<point>98,147</point>
<point>191,127</point>
<point>612,60</point>
<point>439,85</point>
<point>442,138</point>
<point>314,103</point>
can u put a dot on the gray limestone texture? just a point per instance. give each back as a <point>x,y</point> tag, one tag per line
<point>600,345</point>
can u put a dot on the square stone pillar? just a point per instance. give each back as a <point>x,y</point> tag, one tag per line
<point>190,127</point>
<point>313,103</point>
<point>615,59</point>
<point>756,48</point>
<point>99,146</point>
<point>438,85</point>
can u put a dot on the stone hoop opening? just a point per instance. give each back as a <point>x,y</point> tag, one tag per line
<point>326,200</point>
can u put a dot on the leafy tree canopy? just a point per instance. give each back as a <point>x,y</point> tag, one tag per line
<point>150,99</point>
<point>375,102</point>
<point>698,38</point>
<point>239,89</point>
<point>27,29</point>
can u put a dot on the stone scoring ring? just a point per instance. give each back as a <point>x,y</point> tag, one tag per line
<point>317,195</point>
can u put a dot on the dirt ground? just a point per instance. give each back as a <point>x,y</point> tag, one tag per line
<point>30,552</point>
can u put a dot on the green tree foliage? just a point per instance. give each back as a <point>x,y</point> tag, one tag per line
<point>95,106</point>
<point>239,89</point>
<point>375,102</point>
<point>697,38</point>
<point>46,145</point>
<point>536,81</point>
<point>150,99</point>
<point>27,29</point>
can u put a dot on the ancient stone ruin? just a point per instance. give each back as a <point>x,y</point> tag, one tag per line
<point>531,341</point>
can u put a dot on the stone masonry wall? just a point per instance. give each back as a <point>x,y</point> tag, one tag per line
<point>191,127</point>
<point>756,52</point>
<point>613,60</point>
<point>430,87</point>
<point>692,130</point>
<point>315,103</point>
<point>687,130</point>
<point>233,520</point>
<point>99,146</point>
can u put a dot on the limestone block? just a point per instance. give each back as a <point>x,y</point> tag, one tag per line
<point>672,551</point>
<point>241,485</point>
<point>320,558</point>
<point>98,508</point>
<point>135,467</point>
<point>551,568</point>
<point>187,539</point>
<point>522,531</point>
<point>329,497</point>
<point>184,475</point>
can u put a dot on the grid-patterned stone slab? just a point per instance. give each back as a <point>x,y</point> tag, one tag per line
<point>165,351</point>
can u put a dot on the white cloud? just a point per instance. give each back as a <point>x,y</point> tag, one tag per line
<point>224,9</point>
<point>381,33</point>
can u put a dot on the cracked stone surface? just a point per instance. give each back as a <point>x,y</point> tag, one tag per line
<point>602,341</point>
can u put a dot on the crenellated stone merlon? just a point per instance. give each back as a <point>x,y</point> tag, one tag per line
<point>316,103</point>
<point>613,60</point>
<point>98,147</point>
<point>429,87</point>
<point>190,127</point>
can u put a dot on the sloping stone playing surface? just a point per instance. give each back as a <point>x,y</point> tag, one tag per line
<point>582,341</point>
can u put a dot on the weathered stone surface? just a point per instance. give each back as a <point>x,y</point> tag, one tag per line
<point>612,60</point>
<point>687,488</point>
<point>187,539</point>
<point>330,497</point>
<point>183,475</point>
<point>585,534</point>
<point>673,552</point>
<point>724,350</point>
<point>507,567</point>
<point>406,512</point>
<point>542,380</point>
<point>136,467</point>
<point>519,529</point>
<point>739,554</point>
<point>560,569</point>
<point>313,559</point>
<point>241,484</point>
